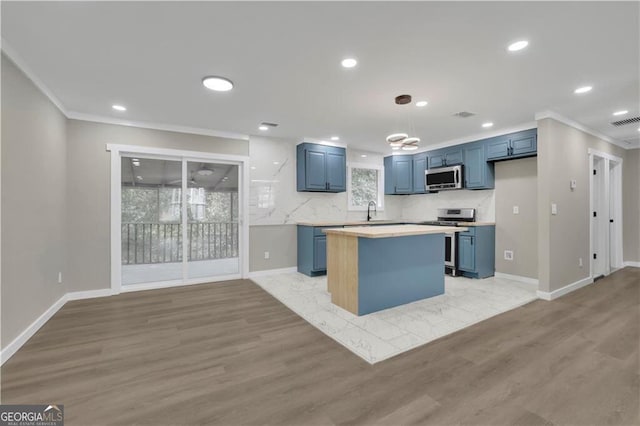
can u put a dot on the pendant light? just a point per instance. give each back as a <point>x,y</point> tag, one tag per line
<point>402,140</point>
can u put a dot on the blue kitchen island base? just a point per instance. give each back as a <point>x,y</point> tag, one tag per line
<point>396,271</point>
<point>369,274</point>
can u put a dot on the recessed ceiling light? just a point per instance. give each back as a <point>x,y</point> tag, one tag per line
<point>421,103</point>
<point>276,162</point>
<point>583,89</point>
<point>349,63</point>
<point>219,84</point>
<point>364,156</point>
<point>487,125</point>
<point>335,138</point>
<point>253,167</point>
<point>264,128</point>
<point>518,45</point>
<point>119,107</point>
<point>623,112</point>
<point>395,147</point>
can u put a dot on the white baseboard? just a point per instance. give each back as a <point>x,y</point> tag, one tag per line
<point>89,294</point>
<point>268,272</point>
<point>564,290</point>
<point>632,264</point>
<point>526,280</point>
<point>176,283</point>
<point>19,341</point>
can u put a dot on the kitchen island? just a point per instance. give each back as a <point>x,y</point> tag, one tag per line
<point>371,268</point>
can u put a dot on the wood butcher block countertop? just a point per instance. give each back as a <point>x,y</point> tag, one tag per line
<point>347,223</point>
<point>389,231</point>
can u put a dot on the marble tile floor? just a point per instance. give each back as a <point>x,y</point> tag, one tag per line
<point>382,335</point>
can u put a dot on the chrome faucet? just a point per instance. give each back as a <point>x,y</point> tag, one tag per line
<point>375,209</point>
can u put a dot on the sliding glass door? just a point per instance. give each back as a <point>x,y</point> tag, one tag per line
<point>212,219</point>
<point>179,220</point>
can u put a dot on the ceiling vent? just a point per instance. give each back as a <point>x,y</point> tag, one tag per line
<point>626,121</point>
<point>464,114</point>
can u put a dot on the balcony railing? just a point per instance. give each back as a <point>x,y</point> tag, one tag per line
<point>147,243</point>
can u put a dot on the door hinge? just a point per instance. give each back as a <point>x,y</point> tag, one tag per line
<point>595,256</point>
<point>610,220</point>
<point>594,172</point>
<point>595,214</point>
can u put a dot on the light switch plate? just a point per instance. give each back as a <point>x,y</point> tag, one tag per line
<point>573,184</point>
<point>516,210</point>
<point>508,255</point>
<point>554,208</point>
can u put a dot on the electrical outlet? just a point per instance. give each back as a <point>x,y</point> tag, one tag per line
<point>508,255</point>
<point>59,277</point>
<point>580,262</point>
<point>516,210</point>
<point>266,255</point>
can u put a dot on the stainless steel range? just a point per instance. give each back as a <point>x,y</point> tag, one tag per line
<point>452,217</point>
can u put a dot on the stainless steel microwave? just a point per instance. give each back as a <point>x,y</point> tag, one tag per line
<point>444,178</point>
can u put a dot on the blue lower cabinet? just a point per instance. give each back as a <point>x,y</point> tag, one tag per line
<point>320,253</point>
<point>312,250</point>
<point>476,252</point>
<point>466,254</point>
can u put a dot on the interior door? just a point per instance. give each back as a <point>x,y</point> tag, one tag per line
<point>599,219</point>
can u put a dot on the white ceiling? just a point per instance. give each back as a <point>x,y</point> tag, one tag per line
<point>284,59</point>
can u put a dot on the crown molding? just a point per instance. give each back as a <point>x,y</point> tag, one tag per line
<point>17,60</point>
<point>579,126</point>
<point>73,115</point>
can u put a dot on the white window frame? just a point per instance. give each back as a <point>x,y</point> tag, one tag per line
<point>380,200</point>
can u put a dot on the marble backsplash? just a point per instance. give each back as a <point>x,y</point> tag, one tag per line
<point>273,199</point>
<point>425,206</point>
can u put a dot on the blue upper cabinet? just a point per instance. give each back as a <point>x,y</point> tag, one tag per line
<point>515,145</point>
<point>445,157</point>
<point>398,174</point>
<point>478,173</point>
<point>419,167</point>
<point>321,168</point>
<point>336,169</point>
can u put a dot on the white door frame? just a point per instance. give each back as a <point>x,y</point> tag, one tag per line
<point>612,170</point>
<point>182,155</point>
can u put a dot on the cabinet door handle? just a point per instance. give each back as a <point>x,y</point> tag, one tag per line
<point>328,185</point>
<point>395,189</point>
<point>471,240</point>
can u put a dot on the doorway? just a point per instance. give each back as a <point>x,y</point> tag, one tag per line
<point>177,218</point>
<point>606,213</point>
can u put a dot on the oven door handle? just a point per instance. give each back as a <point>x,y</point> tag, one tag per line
<point>457,176</point>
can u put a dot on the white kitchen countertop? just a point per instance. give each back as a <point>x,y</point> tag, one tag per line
<point>389,231</point>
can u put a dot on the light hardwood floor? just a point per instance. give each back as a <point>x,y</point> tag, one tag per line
<point>228,353</point>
